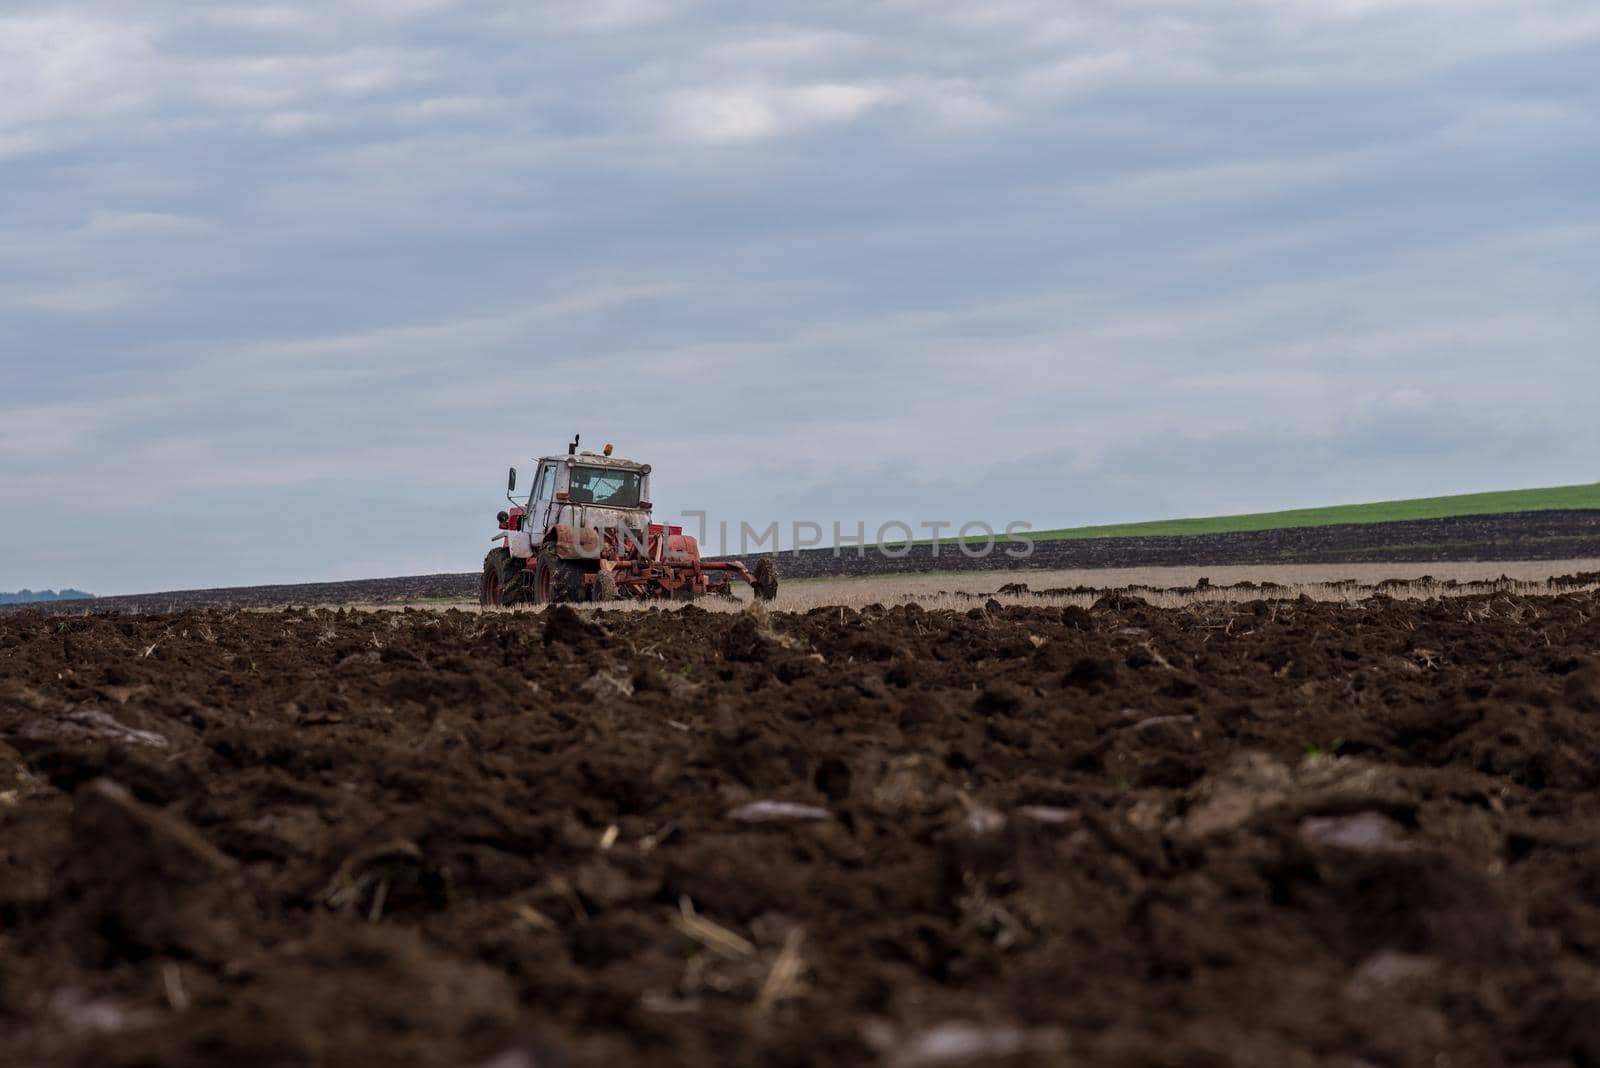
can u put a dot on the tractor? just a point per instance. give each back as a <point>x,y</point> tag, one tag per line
<point>584,534</point>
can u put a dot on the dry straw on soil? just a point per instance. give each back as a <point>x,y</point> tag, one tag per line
<point>1166,587</point>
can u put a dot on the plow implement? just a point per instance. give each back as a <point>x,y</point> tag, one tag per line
<point>671,568</point>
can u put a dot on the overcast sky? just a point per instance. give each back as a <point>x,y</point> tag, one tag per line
<point>285,287</point>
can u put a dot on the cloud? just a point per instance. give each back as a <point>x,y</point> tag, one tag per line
<point>594,17</point>
<point>1246,180</point>
<point>775,47</point>
<point>755,113</point>
<point>449,107</point>
<point>275,18</point>
<point>140,223</point>
<point>56,66</point>
<point>290,123</point>
<point>79,297</point>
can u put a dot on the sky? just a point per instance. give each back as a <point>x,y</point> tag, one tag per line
<point>284,288</point>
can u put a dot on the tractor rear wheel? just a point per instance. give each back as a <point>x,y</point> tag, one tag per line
<point>558,581</point>
<point>766,579</point>
<point>497,584</point>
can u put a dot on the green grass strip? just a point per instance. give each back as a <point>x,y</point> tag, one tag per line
<point>1556,498</point>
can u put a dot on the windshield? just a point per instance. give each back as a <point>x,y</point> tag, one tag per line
<point>609,487</point>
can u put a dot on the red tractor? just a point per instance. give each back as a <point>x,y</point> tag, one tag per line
<point>584,534</point>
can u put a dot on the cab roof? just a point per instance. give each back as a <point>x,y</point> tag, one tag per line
<point>593,459</point>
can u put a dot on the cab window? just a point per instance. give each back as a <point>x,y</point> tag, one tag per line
<point>541,484</point>
<point>608,487</point>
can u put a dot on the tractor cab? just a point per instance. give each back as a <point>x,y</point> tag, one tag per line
<point>586,489</point>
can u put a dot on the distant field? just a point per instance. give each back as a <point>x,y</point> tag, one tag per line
<point>1556,498</point>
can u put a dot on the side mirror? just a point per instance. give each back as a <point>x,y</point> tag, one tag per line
<point>511,481</point>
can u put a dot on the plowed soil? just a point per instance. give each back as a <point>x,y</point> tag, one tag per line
<point>1268,834</point>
